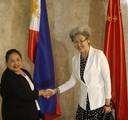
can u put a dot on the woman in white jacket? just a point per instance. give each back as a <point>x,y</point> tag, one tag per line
<point>90,68</point>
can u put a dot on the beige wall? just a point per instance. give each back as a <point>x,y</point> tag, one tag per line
<point>63,15</point>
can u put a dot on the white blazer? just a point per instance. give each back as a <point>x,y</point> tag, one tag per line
<point>96,76</point>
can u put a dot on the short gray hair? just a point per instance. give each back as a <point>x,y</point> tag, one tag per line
<point>85,31</point>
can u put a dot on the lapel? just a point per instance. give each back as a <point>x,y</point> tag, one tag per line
<point>88,64</point>
<point>77,65</point>
<point>89,61</point>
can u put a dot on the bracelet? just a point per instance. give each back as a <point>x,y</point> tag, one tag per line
<point>57,90</point>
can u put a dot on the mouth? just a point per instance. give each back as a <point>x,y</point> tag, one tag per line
<point>16,66</point>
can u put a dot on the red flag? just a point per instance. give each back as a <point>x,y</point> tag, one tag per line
<point>115,53</point>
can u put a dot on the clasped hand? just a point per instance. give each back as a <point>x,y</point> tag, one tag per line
<point>47,93</point>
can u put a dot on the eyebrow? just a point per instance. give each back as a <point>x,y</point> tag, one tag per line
<point>81,39</point>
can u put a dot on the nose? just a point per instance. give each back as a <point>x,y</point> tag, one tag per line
<point>79,44</point>
<point>16,62</point>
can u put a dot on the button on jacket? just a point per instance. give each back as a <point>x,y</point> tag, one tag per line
<point>96,76</point>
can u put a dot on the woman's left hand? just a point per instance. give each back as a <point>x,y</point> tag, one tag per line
<point>107,109</point>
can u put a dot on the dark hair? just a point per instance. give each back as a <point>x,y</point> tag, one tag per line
<point>11,51</point>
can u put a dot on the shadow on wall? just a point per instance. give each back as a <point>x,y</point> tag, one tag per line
<point>97,22</point>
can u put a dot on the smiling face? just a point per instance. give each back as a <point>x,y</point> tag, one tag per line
<point>14,62</point>
<point>81,43</point>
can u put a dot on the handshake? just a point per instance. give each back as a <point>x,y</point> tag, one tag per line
<point>48,92</point>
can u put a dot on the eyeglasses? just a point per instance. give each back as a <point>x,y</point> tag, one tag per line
<point>79,42</point>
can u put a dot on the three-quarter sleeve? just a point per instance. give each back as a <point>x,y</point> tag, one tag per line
<point>105,71</point>
<point>71,82</point>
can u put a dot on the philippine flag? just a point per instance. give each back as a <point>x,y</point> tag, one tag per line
<point>40,53</point>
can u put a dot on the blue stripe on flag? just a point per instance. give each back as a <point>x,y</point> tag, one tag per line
<point>44,68</point>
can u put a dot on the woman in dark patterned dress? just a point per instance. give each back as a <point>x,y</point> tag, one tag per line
<point>90,68</point>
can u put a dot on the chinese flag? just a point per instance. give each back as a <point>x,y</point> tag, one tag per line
<point>115,53</point>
